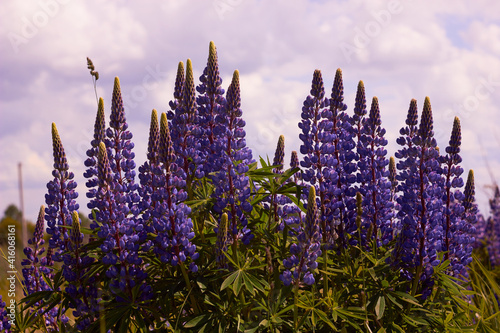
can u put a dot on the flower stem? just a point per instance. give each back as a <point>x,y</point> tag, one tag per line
<point>189,287</point>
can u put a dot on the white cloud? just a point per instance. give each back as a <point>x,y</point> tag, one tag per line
<point>484,37</point>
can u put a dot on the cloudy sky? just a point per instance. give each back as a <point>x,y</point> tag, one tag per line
<point>401,49</point>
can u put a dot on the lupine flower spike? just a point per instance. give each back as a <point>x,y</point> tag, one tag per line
<point>453,200</point>
<point>471,214</point>
<point>302,263</point>
<point>373,179</point>
<point>60,199</point>
<point>149,174</point>
<point>184,132</point>
<point>210,103</point>
<point>232,187</point>
<point>36,273</point>
<point>421,200</point>
<point>279,155</point>
<point>91,162</point>
<point>343,202</point>
<point>317,148</point>
<point>493,229</point>
<point>81,288</point>
<point>4,317</point>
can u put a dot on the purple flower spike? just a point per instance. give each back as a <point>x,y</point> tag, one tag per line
<point>294,160</point>
<point>36,272</point>
<point>188,96</point>
<point>337,96</point>
<point>31,272</point>
<point>373,179</point>
<point>164,213</point>
<point>359,108</point>
<point>469,193</point>
<point>317,147</point>
<point>4,318</point>
<point>210,101</point>
<point>179,81</point>
<point>343,201</point>
<point>452,172</point>
<point>421,201</point>
<point>184,131</point>
<point>294,163</point>
<point>119,145</point>
<point>154,137</point>
<point>232,187</point>
<point>60,198</point>
<point>60,161</point>
<point>425,130</point>
<point>302,263</point>
<point>92,153</point>
<point>493,229</point>
<point>279,155</point>
<point>76,266</point>
<point>117,110</point>
<point>317,88</point>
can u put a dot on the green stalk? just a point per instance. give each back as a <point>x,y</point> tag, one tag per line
<point>188,285</point>
<point>325,275</point>
<point>296,306</point>
<point>416,280</point>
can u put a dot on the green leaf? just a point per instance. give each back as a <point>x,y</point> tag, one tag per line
<point>238,282</point>
<point>248,283</point>
<point>396,326</point>
<point>259,285</point>
<point>393,300</point>
<point>252,330</point>
<point>380,307</point>
<point>407,298</point>
<point>372,273</point>
<point>264,323</point>
<point>324,318</point>
<point>228,280</point>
